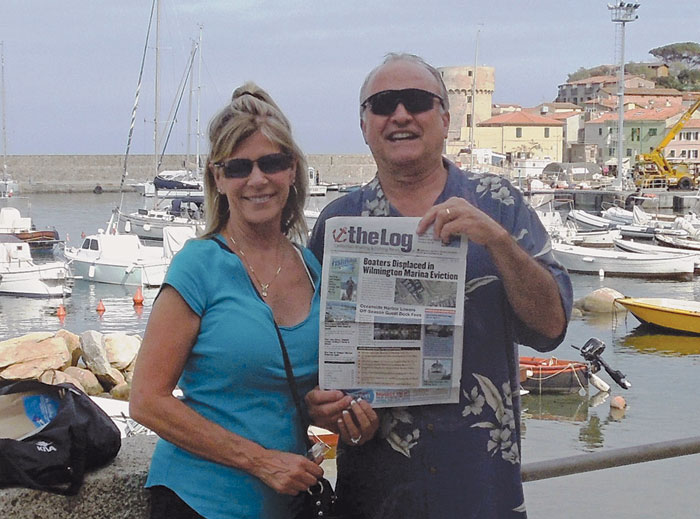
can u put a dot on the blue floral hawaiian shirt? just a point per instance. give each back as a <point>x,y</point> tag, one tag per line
<point>455,460</point>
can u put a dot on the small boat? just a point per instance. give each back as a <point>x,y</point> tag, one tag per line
<point>647,248</point>
<point>120,259</point>
<point>148,224</point>
<point>673,314</point>
<point>587,260</point>
<point>553,375</point>
<point>20,276</point>
<point>588,221</point>
<point>12,222</point>
<point>679,243</point>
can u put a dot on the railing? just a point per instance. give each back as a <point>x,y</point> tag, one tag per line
<point>609,459</point>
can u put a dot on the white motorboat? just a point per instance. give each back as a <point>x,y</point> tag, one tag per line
<point>149,223</point>
<point>20,275</point>
<point>647,248</point>
<point>119,259</point>
<point>586,260</point>
<point>588,221</point>
<point>567,232</point>
<point>677,242</point>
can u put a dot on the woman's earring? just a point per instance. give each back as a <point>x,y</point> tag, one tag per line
<point>294,187</point>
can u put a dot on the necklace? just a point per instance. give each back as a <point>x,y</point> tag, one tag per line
<point>263,286</point>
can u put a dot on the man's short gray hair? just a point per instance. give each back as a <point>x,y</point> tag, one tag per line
<point>404,56</point>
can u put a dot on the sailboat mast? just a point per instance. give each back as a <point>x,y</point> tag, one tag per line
<point>2,94</point>
<point>156,96</point>
<point>199,97</point>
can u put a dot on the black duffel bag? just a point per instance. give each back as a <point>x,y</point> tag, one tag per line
<point>79,437</point>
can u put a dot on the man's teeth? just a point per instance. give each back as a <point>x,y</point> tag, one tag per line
<point>401,136</point>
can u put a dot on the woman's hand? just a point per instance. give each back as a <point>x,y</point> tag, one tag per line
<point>359,424</point>
<point>354,420</point>
<point>326,407</point>
<point>285,472</point>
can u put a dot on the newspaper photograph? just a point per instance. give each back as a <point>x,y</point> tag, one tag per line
<point>393,312</point>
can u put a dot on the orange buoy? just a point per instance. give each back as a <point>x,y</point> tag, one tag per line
<point>61,312</point>
<point>138,297</point>
<point>100,307</point>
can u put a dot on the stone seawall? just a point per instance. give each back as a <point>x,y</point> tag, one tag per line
<point>82,173</point>
<point>114,491</point>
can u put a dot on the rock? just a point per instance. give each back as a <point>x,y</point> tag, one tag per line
<point>576,313</point>
<point>121,349</point>
<point>73,344</point>
<point>94,353</point>
<point>86,378</point>
<point>121,391</point>
<point>113,377</point>
<point>600,301</point>
<point>29,359</point>
<point>53,376</point>
<point>30,347</point>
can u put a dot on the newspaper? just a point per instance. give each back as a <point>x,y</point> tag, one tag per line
<point>393,312</point>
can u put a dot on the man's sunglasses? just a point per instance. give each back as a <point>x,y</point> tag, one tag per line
<point>414,100</point>
<point>269,164</point>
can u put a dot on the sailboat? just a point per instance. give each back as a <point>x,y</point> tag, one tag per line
<point>8,187</point>
<point>172,207</point>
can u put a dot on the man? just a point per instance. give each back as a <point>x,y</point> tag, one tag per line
<point>450,460</point>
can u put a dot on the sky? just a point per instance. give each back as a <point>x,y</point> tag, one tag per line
<point>72,66</point>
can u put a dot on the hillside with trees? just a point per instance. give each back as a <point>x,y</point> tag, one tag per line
<point>683,60</point>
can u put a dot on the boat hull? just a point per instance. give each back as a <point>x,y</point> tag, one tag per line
<point>671,314</point>
<point>585,260</point>
<point>40,280</point>
<point>555,376</point>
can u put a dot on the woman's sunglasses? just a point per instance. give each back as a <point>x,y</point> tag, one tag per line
<point>414,100</point>
<point>269,164</point>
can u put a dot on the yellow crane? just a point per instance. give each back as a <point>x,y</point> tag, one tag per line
<point>653,168</point>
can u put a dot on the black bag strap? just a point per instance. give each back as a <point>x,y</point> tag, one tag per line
<point>293,388</point>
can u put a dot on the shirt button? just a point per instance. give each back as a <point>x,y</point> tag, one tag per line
<point>433,470</point>
<point>430,427</point>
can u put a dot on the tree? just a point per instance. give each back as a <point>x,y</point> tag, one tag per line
<point>584,73</point>
<point>687,52</point>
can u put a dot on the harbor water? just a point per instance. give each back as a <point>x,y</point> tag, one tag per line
<point>662,367</point>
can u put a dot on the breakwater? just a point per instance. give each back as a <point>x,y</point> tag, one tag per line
<point>82,173</point>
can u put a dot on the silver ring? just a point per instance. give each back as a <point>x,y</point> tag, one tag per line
<point>447,210</point>
<point>356,441</point>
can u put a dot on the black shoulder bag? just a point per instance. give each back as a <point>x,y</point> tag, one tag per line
<point>54,458</point>
<point>320,499</point>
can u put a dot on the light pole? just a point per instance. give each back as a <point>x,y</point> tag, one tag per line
<point>621,13</point>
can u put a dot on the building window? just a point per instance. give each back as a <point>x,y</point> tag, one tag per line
<point>611,152</point>
<point>610,130</point>
<point>636,133</point>
<point>683,154</point>
<point>671,154</point>
<point>680,137</point>
<point>469,99</point>
<point>575,100</point>
<point>652,132</point>
<point>469,73</point>
<point>518,133</point>
<point>546,133</point>
<point>629,152</point>
<point>469,120</point>
<point>695,135</point>
<point>693,154</point>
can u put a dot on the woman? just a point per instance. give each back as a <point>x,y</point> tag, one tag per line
<point>232,447</point>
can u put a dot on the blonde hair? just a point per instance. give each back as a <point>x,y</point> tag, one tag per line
<point>252,110</point>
